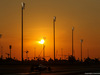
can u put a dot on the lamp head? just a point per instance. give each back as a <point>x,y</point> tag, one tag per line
<point>54,18</point>
<point>23,5</point>
<point>72,28</point>
<point>81,40</point>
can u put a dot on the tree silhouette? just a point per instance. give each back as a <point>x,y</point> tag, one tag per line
<point>71,59</point>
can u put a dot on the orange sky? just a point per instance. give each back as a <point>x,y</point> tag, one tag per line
<point>84,15</point>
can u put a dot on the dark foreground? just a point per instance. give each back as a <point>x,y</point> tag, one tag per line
<point>56,70</point>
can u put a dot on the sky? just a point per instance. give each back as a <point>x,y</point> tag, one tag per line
<point>83,15</point>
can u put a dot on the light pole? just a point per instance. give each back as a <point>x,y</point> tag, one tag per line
<point>27,54</point>
<point>81,49</point>
<point>43,51</point>
<point>1,48</point>
<point>88,53</point>
<point>72,39</point>
<point>42,42</point>
<point>44,48</point>
<point>62,53</point>
<point>8,54</point>
<point>0,35</point>
<point>1,52</point>
<point>10,50</point>
<point>54,20</point>
<point>34,53</point>
<point>23,7</point>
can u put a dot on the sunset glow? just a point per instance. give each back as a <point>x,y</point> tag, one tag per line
<point>42,41</point>
<point>49,37</point>
<point>38,17</point>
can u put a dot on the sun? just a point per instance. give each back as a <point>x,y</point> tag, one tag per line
<point>42,41</point>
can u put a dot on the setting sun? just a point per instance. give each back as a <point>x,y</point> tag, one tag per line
<point>42,41</point>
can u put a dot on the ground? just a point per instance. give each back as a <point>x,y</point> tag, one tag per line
<point>56,70</point>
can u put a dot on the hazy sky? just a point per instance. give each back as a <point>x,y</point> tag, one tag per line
<point>84,15</point>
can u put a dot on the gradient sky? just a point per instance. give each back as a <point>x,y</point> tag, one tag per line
<point>84,15</point>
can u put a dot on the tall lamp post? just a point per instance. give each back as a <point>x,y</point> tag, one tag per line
<point>27,54</point>
<point>44,47</point>
<point>81,49</point>
<point>10,50</point>
<point>0,35</point>
<point>34,53</point>
<point>43,51</point>
<point>72,39</point>
<point>42,42</point>
<point>54,20</point>
<point>23,7</point>
<point>1,47</point>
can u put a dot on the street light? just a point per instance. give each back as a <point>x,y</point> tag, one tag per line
<point>10,46</point>
<point>72,39</point>
<point>23,7</point>
<point>81,49</point>
<point>0,35</point>
<point>27,54</point>
<point>54,20</point>
<point>42,42</point>
<point>1,48</point>
<point>34,53</point>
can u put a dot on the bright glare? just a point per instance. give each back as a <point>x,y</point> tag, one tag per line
<point>41,42</point>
